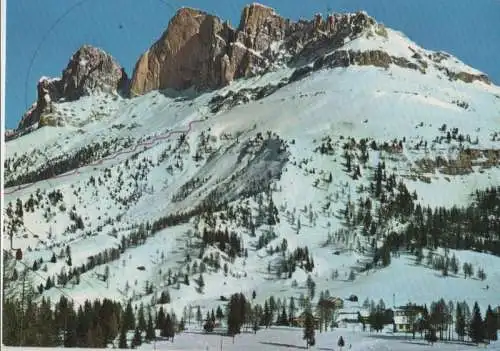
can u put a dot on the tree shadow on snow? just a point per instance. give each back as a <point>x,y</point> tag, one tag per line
<point>283,345</point>
<point>390,337</point>
<point>446,342</point>
<point>422,343</point>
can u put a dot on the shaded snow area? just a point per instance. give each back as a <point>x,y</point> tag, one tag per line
<point>271,172</point>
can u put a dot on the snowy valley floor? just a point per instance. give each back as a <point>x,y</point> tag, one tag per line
<point>282,338</point>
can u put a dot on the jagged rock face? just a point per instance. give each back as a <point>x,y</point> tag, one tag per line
<point>89,70</point>
<point>312,40</point>
<point>48,90</point>
<point>199,50</point>
<point>260,26</point>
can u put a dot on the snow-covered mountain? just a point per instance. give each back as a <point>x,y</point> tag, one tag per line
<point>241,178</point>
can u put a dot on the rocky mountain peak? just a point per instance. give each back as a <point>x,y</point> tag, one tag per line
<point>89,70</point>
<point>255,17</point>
<point>201,51</point>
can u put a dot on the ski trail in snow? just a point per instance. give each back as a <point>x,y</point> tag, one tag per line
<point>109,158</point>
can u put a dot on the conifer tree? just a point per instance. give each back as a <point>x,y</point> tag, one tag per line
<point>209,324</point>
<point>218,314</point>
<point>49,284</point>
<point>309,333</point>
<point>272,305</point>
<point>419,255</point>
<point>283,318</point>
<point>150,331</point>
<point>431,336</point>
<point>98,336</point>
<point>129,322</point>
<point>160,319</point>
<point>311,286</point>
<point>352,276</point>
<point>201,283</point>
<point>291,309</point>
<point>169,331</point>
<point>460,321</point>
<point>141,318</point>
<point>236,314</point>
<point>199,317</point>
<point>481,274</point>
<point>89,339</point>
<point>386,255</point>
<point>347,161</point>
<point>122,343</point>
<point>476,327</point>
<point>182,325</point>
<point>491,326</point>
<point>454,264</point>
<point>267,315</point>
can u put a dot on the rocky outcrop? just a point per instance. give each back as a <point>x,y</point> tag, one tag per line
<point>346,58</point>
<point>465,77</point>
<point>469,77</point>
<point>199,50</point>
<point>89,70</point>
<point>242,96</point>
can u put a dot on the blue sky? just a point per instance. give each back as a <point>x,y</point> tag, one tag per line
<point>467,29</point>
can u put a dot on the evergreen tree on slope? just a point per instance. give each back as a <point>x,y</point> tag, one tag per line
<point>309,327</point>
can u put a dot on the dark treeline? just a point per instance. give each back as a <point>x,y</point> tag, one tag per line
<point>63,164</point>
<point>96,324</point>
<point>107,323</point>
<point>91,325</point>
